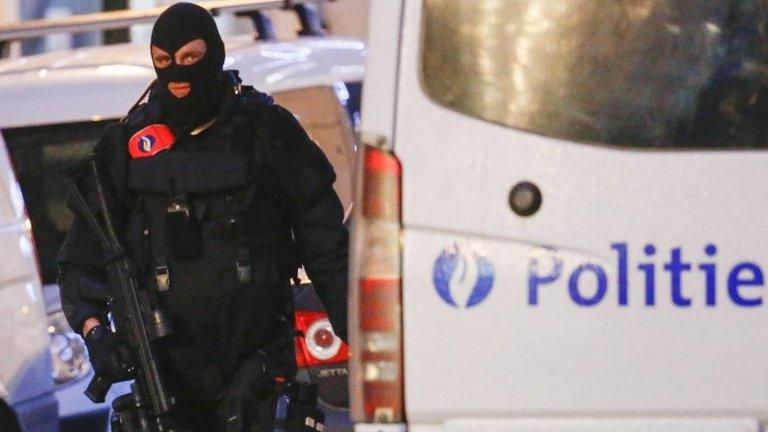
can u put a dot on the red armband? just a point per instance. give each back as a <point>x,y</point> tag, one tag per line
<point>150,141</point>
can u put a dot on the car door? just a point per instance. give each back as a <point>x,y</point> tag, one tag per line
<point>26,384</point>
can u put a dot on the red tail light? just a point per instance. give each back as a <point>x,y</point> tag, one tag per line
<point>375,300</point>
<point>318,345</point>
<point>381,186</point>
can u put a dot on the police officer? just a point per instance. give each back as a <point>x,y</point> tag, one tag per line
<point>220,195</point>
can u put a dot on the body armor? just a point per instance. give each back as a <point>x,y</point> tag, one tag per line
<point>208,232</point>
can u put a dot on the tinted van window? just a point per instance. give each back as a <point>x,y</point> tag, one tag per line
<point>632,73</point>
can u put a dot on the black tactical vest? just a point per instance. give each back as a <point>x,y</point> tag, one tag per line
<point>208,230</point>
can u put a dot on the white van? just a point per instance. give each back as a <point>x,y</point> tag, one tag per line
<point>27,402</point>
<point>54,107</point>
<point>561,220</point>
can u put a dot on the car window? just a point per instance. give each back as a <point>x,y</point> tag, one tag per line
<point>632,73</point>
<point>39,155</point>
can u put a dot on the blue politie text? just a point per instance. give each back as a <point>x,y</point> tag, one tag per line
<point>589,284</point>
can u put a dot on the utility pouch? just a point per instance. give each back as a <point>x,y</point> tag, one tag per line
<point>183,231</point>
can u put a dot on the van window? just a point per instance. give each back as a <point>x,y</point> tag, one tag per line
<point>39,155</point>
<point>631,73</point>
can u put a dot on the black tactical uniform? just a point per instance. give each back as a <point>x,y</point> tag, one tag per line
<point>228,212</point>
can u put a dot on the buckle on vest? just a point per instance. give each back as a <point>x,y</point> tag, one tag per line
<point>244,266</point>
<point>162,275</point>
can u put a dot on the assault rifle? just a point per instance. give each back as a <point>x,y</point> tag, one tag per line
<point>136,321</point>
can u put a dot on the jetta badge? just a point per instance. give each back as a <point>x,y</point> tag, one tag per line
<point>463,276</point>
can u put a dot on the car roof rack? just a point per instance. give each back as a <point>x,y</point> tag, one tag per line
<point>18,31</point>
<point>265,30</point>
<point>310,18</point>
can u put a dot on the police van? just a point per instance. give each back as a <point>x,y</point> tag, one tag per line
<point>560,219</point>
<point>54,107</point>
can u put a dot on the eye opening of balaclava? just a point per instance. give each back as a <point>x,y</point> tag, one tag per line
<point>175,27</point>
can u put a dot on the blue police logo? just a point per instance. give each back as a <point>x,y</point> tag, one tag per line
<point>146,143</point>
<point>463,277</point>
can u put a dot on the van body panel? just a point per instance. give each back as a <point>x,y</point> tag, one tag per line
<point>576,425</point>
<point>569,323</point>
<point>505,357</point>
<point>378,114</point>
<point>603,425</point>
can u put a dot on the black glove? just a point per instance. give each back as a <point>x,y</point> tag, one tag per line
<point>110,359</point>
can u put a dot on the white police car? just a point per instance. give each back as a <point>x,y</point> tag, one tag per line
<point>53,108</point>
<point>568,205</point>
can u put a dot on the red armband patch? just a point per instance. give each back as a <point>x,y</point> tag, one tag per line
<point>150,141</point>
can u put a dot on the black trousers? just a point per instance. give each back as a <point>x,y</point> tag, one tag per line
<point>246,404</point>
<point>250,414</point>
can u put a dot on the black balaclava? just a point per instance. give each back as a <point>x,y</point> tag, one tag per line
<point>175,27</point>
